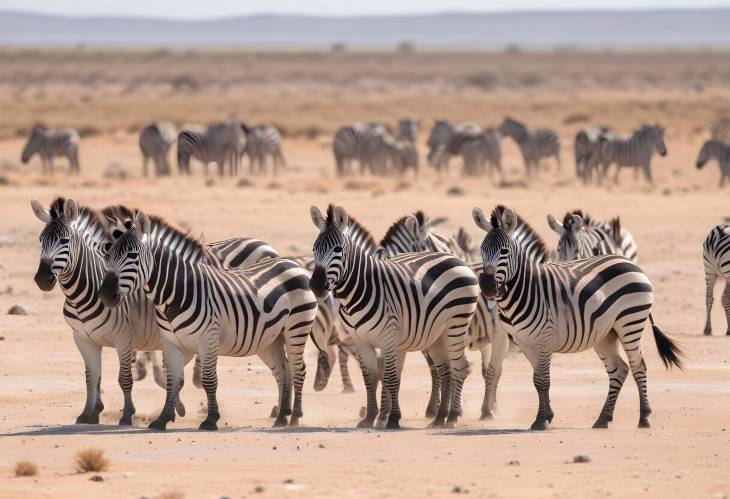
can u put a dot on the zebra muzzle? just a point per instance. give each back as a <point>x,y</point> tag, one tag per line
<point>488,285</point>
<point>109,290</point>
<point>318,282</point>
<point>44,278</point>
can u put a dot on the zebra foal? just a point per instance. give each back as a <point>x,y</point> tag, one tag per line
<point>570,307</point>
<point>412,302</point>
<point>266,310</point>
<point>49,143</point>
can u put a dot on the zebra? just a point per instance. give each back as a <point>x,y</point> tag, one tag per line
<point>220,143</point>
<point>408,130</point>
<point>411,302</point>
<point>570,307</point>
<point>716,256</point>
<point>71,242</point>
<point>266,309</point>
<point>481,150</point>
<point>155,141</point>
<point>345,146</point>
<point>396,156</point>
<point>261,142</point>
<point>718,150</point>
<point>635,151</point>
<point>587,147</point>
<point>48,143</point>
<point>581,240</point>
<point>445,141</point>
<point>534,143</point>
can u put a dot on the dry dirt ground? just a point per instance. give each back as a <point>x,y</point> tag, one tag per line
<point>684,454</point>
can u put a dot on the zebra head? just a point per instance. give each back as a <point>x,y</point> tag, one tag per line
<point>656,134</point>
<point>709,150</point>
<point>438,142</point>
<point>58,240</point>
<point>128,260</point>
<point>498,250</point>
<point>571,233</point>
<point>33,144</point>
<point>512,128</point>
<point>330,249</point>
<point>408,234</point>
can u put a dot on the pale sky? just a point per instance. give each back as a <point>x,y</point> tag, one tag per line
<point>198,9</point>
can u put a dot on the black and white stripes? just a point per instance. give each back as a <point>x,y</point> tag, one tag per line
<point>534,143</point>
<point>635,151</point>
<point>49,143</point>
<point>716,257</point>
<point>719,151</point>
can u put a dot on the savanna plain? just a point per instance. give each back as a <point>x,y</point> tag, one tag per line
<point>109,95</point>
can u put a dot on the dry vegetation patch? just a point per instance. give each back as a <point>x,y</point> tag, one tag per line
<point>25,468</point>
<point>91,459</point>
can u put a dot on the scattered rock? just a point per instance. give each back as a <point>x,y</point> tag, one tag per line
<point>258,489</point>
<point>17,310</point>
<point>96,478</point>
<point>581,458</point>
<point>514,462</point>
<point>209,182</point>
<point>455,191</point>
<point>459,490</point>
<point>321,446</point>
<point>289,480</point>
<point>244,182</point>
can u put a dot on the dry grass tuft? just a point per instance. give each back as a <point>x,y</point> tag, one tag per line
<point>172,494</point>
<point>25,468</point>
<point>90,459</point>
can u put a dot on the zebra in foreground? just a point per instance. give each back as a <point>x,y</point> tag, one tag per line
<point>635,151</point>
<point>71,242</point>
<point>155,141</point>
<point>263,141</point>
<point>570,307</point>
<point>49,143</point>
<point>716,256</point>
<point>266,310</point>
<point>220,143</point>
<point>534,143</point>
<point>719,151</point>
<point>412,302</point>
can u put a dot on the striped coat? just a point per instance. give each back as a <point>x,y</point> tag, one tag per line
<point>155,141</point>
<point>570,307</point>
<point>534,143</point>
<point>49,143</point>
<point>719,151</point>
<point>446,140</point>
<point>262,142</point>
<point>716,257</point>
<point>220,143</point>
<point>583,237</point>
<point>635,151</point>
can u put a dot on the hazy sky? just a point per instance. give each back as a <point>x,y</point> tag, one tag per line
<point>196,9</point>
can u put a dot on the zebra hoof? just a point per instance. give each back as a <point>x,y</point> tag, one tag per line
<point>208,426</point>
<point>294,422</point>
<point>486,416</point>
<point>601,424</point>
<point>644,423</point>
<point>439,422</point>
<point>280,421</point>
<point>708,332</point>
<point>363,411</point>
<point>366,422</point>
<point>158,424</point>
<point>274,412</point>
<point>393,423</point>
<point>125,421</point>
<point>451,422</point>
<point>540,425</point>
<point>430,412</point>
<point>87,419</point>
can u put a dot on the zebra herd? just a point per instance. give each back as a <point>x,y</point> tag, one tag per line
<point>136,283</point>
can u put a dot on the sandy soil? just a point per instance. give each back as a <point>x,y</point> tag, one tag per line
<point>684,454</point>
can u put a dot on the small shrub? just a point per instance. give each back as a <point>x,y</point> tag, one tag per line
<point>90,459</point>
<point>25,468</point>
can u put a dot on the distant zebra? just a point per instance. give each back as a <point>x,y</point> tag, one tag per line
<point>587,148</point>
<point>717,150</point>
<point>266,310</point>
<point>48,143</point>
<point>445,141</point>
<point>635,151</point>
<point>716,256</point>
<point>481,151</point>
<point>408,130</point>
<point>345,146</point>
<point>534,143</point>
<point>71,242</point>
<point>595,237</point>
<point>220,143</point>
<point>396,156</point>
<point>155,141</point>
<point>263,141</point>
<point>374,149</point>
<point>411,302</point>
<point>570,307</point>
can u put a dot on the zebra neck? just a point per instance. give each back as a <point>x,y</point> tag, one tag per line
<point>357,266</point>
<point>82,276</point>
<point>168,269</point>
<point>527,271</point>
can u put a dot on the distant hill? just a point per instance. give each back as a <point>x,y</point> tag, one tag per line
<point>453,30</point>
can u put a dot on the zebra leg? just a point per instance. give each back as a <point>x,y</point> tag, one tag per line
<point>140,365</point>
<point>275,358</point>
<point>435,400</point>
<point>343,356</point>
<point>607,350</point>
<point>540,360</point>
<point>391,380</point>
<point>327,354</point>
<point>632,346</point>
<point>710,279</point>
<point>208,354</point>
<point>647,174</point>
<point>145,161</point>
<point>91,353</point>
<point>437,354</point>
<point>295,342</point>
<point>458,368</point>
<point>174,359</point>
<point>726,305</point>
<point>500,347</point>
<point>367,358</point>
<point>125,380</point>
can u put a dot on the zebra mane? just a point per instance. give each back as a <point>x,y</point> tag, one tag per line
<point>398,224</point>
<point>121,218</point>
<point>356,232</point>
<point>88,223</point>
<point>496,221</point>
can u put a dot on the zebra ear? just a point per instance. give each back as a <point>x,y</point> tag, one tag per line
<point>577,223</point>
<point>319,221</point>
<point>553,223</point>
<point>481,219</point>
<point>509,221</point>
<point>40,212</point>
<point>142,223</point>
<point>411,223</point>
<point>70,210</point>
<point>341,219</point>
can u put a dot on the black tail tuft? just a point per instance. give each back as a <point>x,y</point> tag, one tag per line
<point>668,349</point>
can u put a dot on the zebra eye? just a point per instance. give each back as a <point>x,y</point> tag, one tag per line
<point>64,241</point>
<point>337,249</point>
<point>132,255</point>
<point>503,251</point>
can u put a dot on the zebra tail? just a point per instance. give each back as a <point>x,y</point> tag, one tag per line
<point>669,351</point>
